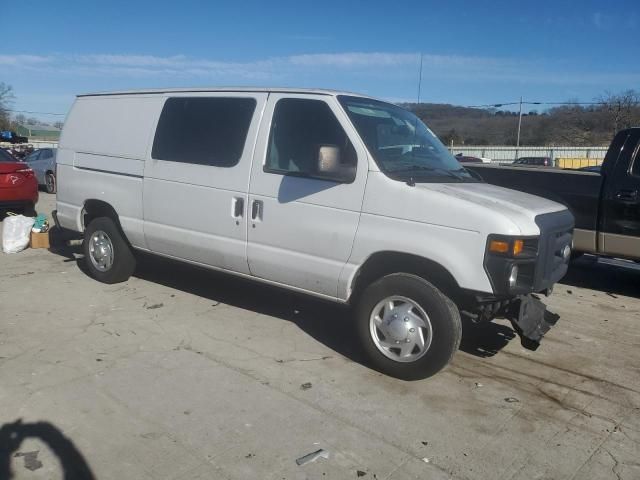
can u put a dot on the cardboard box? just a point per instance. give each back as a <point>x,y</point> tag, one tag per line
<point>40,240</point>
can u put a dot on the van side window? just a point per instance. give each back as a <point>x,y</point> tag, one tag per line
<point>298,130</point>
<point>203,130</point>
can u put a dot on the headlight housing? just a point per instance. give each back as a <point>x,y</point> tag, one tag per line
<point>510,263</point>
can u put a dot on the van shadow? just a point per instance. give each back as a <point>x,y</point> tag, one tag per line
<point>327,322</point>
<point>73,464</point>
<point>484,339</point>
<point>294,188</point>
<point>618,277</point>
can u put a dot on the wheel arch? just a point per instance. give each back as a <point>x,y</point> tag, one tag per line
<point>380,264</point>
<point>94,208</point>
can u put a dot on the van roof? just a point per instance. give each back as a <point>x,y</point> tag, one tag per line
<point>316,91</point>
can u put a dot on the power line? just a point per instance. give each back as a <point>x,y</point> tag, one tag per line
<point>504,104</point>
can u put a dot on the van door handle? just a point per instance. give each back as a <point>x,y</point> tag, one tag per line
<point>238,207</point>
<point>627,195</point>
<point>256,210</point>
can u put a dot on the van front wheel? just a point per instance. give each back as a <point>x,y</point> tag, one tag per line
<point>408,328</point>
<point>108,257</point>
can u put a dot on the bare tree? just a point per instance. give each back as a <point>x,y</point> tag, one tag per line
<point>6,97</point>
<point>622,108</point>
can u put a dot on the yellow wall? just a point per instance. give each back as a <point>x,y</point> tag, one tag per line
<point>577,162</point>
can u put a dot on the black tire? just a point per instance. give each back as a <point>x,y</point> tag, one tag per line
<point>443,315</point>
<point>29,210</point>
<point>124,262</point>
<point>50,185</point>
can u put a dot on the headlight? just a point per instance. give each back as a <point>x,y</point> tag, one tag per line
<point>510,263</point>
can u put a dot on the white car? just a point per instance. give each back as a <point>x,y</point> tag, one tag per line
<point>332,194</point>
<point>43,163</point>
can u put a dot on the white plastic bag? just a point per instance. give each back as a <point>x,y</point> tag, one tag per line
<point>16,231</point>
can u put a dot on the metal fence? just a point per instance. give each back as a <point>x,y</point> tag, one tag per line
<point>566,157</point>
<point>571,156</point>
<point>34,143</point>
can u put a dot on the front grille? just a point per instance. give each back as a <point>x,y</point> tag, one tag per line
<point>556,232</point>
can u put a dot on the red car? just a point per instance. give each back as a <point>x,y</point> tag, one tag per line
<point>18,185</point>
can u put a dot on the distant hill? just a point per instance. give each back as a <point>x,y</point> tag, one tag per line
<point>571,125</point>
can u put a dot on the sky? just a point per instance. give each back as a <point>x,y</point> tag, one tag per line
<point>473,53</point>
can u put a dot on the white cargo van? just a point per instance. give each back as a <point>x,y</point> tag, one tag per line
<point>332,194</point>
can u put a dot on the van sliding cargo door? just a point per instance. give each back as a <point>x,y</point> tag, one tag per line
<point>196,179</point>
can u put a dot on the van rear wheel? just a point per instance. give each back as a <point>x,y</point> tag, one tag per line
<point>408,328</point>
<point>108,256</point>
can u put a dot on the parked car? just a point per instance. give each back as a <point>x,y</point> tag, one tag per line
<point>298,188</point>
<point>12,137</point>
<point>533,162</point>
<point>592,168</point>
<point>43,163</point>
<point>20,152</point>
<point>18,185</point>
<point>468,159</point>
<point>605,203</point>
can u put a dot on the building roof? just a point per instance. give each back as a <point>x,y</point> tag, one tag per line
<point>316,91</point>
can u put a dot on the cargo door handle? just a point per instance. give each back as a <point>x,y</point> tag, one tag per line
<point>238,207</point>
<point>627,195</point>
<point>256,210</point>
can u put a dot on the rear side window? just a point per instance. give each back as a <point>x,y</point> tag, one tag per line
<point>203,130</point>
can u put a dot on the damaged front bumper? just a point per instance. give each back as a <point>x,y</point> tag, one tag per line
<point>527,314</point>
<point>530,319</point>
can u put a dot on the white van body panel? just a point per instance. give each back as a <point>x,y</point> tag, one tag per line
<point>447,223</point>
<point>112,126</point>
<point>102,156</point>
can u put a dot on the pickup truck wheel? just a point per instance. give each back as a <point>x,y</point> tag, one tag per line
<point>50,183</point>
<point>108,257</point>
<point>408,328</point>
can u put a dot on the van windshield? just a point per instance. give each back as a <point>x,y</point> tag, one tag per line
<point>402,146</point>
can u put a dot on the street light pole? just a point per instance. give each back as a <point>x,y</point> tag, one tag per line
<point>519,123</point>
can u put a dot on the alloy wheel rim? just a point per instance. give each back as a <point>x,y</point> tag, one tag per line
<point>400,329</point>
<point>101,251</point>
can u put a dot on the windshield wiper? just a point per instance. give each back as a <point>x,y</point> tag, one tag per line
<point>418,168</point>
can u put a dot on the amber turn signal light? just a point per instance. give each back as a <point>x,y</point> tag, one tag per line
<point>518,246</point>
<point>514,248</point>
<point>498,246</point>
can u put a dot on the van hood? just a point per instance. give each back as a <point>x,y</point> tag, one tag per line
<point>517,206</point>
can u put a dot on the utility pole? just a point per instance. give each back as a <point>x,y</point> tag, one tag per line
<point>519,123</point>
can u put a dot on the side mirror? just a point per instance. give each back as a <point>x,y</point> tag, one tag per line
<point>329,165</point>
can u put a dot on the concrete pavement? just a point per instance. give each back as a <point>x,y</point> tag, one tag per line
<point>183,373</point>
